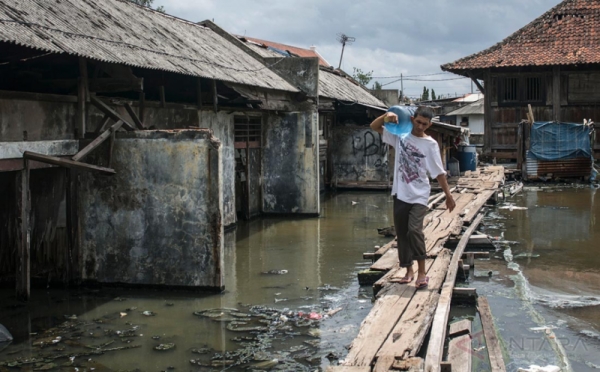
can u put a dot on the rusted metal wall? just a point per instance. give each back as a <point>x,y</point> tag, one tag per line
<point>569,168</point>
<point>158,221</point>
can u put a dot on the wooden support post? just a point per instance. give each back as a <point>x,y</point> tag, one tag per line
<point>163,102</point>
<point>82,98</point>
<point>215,97</point>
<point>97,141</point>
<point>66,163</point>
<point>136,120</point>
<point>491,340</point>
<point>110,148</point>
<point>472,76</point>
<point>72,226</point>
<point>199,93</point>
<point>142,108</point>
<point>487,115</point>
<point>556,93</point>
<point>530,110</point>
<point>23,267</point>
<point>435,349</point>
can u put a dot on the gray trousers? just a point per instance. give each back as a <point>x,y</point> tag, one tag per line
<point>408,222</point>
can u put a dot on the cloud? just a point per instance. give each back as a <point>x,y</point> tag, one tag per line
<point>392,37</point>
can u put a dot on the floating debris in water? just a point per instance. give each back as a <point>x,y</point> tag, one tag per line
<point>164,347</point>
<point>123,314</point>
<point>513,208</point>
<point>274,272</point>
<point>527,255</point>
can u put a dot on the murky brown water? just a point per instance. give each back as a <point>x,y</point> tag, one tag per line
<point>547,274</point>
<point>321,256</point>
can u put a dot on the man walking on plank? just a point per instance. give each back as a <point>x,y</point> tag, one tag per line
<point>417,155</point>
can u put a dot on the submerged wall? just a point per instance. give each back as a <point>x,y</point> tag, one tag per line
<point>158,220</point>
<point>290,163</point>
<point>358,155</point>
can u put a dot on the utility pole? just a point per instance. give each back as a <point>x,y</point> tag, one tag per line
<point>344,39</point>
<point>402,86</point>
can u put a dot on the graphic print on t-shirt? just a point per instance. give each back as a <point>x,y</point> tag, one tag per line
<point>410,159</point>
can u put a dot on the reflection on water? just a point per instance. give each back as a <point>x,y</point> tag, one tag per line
<point>292,269</point>
<point>545,288</point>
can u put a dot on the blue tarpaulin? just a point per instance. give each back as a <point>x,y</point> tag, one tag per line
<point>556,141</point>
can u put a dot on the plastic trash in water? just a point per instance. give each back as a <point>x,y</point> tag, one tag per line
<point>404,125</point>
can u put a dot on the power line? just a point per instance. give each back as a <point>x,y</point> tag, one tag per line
<point>404,79</point>
<point>408,76</point>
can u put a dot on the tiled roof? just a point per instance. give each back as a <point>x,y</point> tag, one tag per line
<point>118,31</point>
<point>300,52</point>
<point>567,34</point>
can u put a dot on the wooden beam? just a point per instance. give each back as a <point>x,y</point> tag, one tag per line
<point>530,110</point>
<point>73,262</point>
<point>459,328</point>
<point>161,92</point>
<point>23,268</point>
<point>81,112</point>
<point>103,124</point>
<point>215,96</point>
<point>439,198</point>
<point>28,96</point>
<point>97,141</point>
<point>110,112</point>
<point>110,148</point>
<point>136,120</point>
<point>142,108</point>
<point>66,163</point>
<point>435,349</point>
<point>477,83</point>
<point>556,93</point>
<point>199,93</point>
<point>491,339</point>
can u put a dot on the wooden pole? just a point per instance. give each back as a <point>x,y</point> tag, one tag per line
<point>142,109</point>
<point>491,339</point>
<point>163,102</point>
<point>97,141</point>
<point>66,163</point>
<point>556,93</point>
<point>199,93</point>
<point>215,97</point>
<point>435,349</point>
<point>23,267</point>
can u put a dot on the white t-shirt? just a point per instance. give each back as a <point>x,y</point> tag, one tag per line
<point>416,157</point>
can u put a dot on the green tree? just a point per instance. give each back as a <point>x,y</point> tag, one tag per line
<point>376,85</point>
<point>148,3</point>
<point>363,78</point>
<point>433,94</point>
<point>425,95</point>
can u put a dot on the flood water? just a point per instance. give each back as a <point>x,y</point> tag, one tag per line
<point>311,267</point>
<point>543,283</point>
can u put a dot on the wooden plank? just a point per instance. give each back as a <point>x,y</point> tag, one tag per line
<point>23,286</point>
<point>439,198</point>
<point>378,325</point>
<point>462,327</point>
<point>464,292</point>
<point>110,112</point>
<point>348,369</point>
<point>73,232</point>
<point>459,353</point>
<point>136,120</point>
<point>97,141</point>
<point>111,147</point>
<point>530,110</point>
<point>67,163</point>
<point>81,108</point>
<point>411,364</point>
<point>409,332</point>
<point>505,125</point>
<point>435,348</point>
<point>491,339</point>
<point>386,262</point>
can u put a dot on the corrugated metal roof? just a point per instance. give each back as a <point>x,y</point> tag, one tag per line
<point>119,31</point>
<point>300,52</point>
<point>332,85</point>
<point>470,109</point>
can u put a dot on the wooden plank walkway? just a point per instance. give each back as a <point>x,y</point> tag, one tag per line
<point>394,331</point>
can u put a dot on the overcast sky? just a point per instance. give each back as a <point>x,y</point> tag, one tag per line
<point>392,37</point>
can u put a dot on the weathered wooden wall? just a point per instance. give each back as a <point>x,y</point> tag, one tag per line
<point>570,96</point>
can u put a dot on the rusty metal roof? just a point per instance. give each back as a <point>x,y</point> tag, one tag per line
<point>335,86</point>
<point>567,34</point>
<point>119,31</point>
<point>297,51</point>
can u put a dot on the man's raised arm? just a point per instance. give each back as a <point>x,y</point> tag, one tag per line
<point>388,117</point>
